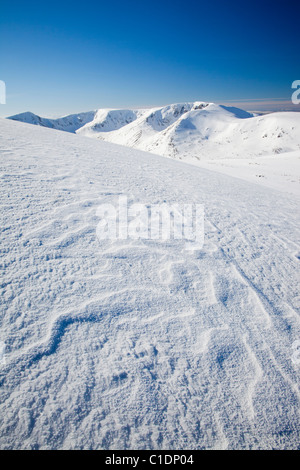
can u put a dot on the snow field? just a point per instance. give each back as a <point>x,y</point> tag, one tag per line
<point>140,344</point>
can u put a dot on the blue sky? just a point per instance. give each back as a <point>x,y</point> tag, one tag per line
<point>61,57</point>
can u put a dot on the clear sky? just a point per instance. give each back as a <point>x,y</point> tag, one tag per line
<point>60,57</point>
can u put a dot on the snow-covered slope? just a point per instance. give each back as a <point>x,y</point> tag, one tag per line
<point>154,120</point>
<point>68,123</point>
<point>281,172</point>
<point>107,120</point>
<point>141,344</point>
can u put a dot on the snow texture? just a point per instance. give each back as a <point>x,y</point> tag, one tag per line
<point>141,344</point>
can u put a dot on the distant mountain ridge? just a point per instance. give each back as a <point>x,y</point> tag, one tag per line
<point>188,131</point>
<point>70,123</point>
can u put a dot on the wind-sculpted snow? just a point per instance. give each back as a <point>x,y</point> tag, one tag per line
<point>142,344</point>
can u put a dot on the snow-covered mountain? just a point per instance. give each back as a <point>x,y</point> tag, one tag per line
<point>68,123</point>
<point>186,131</point>
<point>107,120</point>
<point>202,131</point>
<point>140,343</point>
<point>156,119</point>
